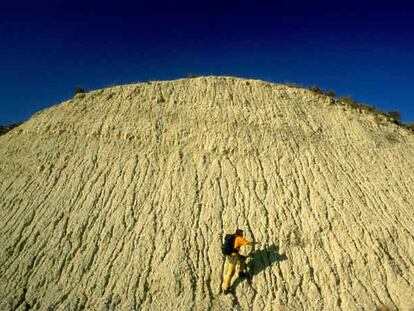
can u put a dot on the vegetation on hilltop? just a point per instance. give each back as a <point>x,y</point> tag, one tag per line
<point>6,128</point>
<point>393,116</point>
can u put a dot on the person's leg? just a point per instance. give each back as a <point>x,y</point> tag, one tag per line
<point>241,263</point>
<point>242,267</point>
<point>230,272</point>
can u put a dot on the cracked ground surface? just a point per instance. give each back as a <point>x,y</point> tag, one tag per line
<point>119,199</point>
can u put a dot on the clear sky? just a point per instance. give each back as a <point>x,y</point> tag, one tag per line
<point>359,48</point>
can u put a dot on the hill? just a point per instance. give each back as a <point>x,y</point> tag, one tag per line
<point>119,199</point>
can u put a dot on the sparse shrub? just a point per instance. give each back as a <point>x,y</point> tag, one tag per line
<point>7,128</point>
<point>79,90</point>
<point>330,93</point>
<point>3,130</point>
<point>192,75</point>
<point>410,127</point>
<point>380,116</point>
<point>395,114</point>
<point>316,89</point>
<point>366,107</point>
<point>348,99</point>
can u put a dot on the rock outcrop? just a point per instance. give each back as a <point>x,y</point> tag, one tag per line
<point>119,199</point>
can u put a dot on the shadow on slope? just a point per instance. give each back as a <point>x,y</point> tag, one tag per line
<point>259,261</point>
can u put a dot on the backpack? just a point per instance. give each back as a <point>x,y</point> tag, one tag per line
<point>228,246</point>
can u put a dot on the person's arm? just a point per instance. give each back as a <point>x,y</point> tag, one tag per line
<point>242,241</point>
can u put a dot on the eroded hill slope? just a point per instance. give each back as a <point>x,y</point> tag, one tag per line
<point>119,199</point>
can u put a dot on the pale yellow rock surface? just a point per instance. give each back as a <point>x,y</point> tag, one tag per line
<point>120,198</point>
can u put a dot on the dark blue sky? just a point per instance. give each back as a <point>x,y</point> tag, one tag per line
<point>361,48</point>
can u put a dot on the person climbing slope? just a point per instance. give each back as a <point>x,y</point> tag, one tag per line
<point>231,248</point>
